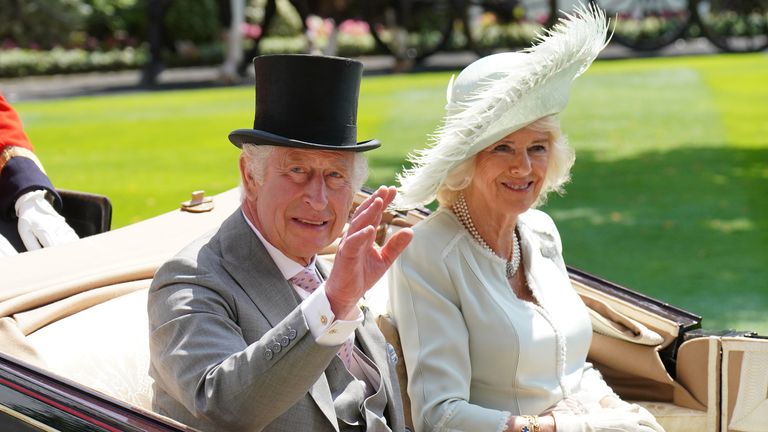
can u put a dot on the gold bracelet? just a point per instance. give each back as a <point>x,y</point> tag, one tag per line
<point>533,424</point>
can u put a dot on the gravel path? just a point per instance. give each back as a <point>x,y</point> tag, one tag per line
<point>59,86</point>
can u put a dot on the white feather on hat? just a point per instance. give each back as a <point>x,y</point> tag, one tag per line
<point>501,93</point>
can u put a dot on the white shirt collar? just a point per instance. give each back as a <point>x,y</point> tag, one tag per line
<point>288,267</point>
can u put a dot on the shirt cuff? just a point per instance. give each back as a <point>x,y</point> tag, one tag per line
<point>322,323</point>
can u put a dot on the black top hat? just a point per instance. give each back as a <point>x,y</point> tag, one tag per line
<point>307,102</point>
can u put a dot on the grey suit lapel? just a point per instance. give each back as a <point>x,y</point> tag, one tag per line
<point>373,343</point>
<point>374,346</point>
<point>249,263</point>
<point>321,393</point>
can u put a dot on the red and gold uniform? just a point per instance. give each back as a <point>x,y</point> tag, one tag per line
<point>20,170</point>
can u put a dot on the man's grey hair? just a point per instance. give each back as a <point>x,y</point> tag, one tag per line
<point>257,157</point>
<point>561,158</point>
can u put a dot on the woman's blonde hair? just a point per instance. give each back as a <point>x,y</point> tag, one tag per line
<point>561,158</point>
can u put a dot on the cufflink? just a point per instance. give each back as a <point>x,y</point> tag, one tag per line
<point>268,354</point>
<point>323,320</point>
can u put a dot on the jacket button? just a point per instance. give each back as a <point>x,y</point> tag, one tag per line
<point>284,341</point>
<point>276,347</point>
<point>291,333</point>
<point>268,354</point>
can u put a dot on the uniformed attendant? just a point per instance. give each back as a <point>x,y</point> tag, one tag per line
<point>28,201</point>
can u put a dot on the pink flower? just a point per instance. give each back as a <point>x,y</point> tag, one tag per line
<point>354,27</point>
<point>251,31</point>
<point>91,43</point>
<point>319,27</point>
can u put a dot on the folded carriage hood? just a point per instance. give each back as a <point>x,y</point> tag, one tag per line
<point>129,253</point>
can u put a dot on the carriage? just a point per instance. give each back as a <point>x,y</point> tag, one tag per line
<point>74,342</point>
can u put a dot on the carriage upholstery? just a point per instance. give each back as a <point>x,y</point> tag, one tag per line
<point>85,320</point>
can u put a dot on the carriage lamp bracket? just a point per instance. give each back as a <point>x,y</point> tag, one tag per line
<point>199,203</point>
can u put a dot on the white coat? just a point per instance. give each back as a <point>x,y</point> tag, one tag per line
<point>474,352</point>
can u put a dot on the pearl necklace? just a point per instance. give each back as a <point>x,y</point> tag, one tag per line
<point>461,211</point>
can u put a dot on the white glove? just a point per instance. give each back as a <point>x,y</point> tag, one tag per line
<point>570,406</point>
<point>642,413</point>
<point>39,224</point>
<point>6,249</point>
<point>615,403</point>
<point>607,421</point>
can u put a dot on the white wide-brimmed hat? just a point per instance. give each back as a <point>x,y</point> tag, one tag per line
<point>500,94</point>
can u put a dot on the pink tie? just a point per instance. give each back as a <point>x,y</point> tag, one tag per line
<point>308,280</point>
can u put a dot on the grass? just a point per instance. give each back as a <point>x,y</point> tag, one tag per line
<point>668,194</point>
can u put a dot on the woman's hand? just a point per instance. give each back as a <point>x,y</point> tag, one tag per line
<point>633,419</point>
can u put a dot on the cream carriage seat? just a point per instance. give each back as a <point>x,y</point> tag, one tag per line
<point>79,310</point>
<point>111,350</point>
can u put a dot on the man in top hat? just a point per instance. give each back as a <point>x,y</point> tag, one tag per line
<point>248,331</point>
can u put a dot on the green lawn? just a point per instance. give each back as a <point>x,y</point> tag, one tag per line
<point>668,194</point>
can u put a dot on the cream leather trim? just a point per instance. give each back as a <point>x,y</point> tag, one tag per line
<point>608,322</point>
<point>713,385</point>
<point>664,327</point>
<point>750,407</point>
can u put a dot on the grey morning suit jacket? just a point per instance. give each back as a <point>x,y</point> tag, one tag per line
<point>217,311</point>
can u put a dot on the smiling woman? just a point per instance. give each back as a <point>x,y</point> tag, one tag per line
<point>496,337</point>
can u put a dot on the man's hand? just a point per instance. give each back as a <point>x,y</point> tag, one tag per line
<point>6,249</point>
<point>359,262</point>
<point>39,224</point>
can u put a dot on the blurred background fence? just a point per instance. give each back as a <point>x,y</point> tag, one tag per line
<point>64,36</point>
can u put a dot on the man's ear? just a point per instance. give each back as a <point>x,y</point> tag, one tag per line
<point>250,185</point>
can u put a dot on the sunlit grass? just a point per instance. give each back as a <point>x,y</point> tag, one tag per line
<point>668,194</point>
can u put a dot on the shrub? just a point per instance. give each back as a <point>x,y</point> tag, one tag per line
<point>19,62</point>
<point>40,23</point>
<point>193,20</point>
<point>124,21</point>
